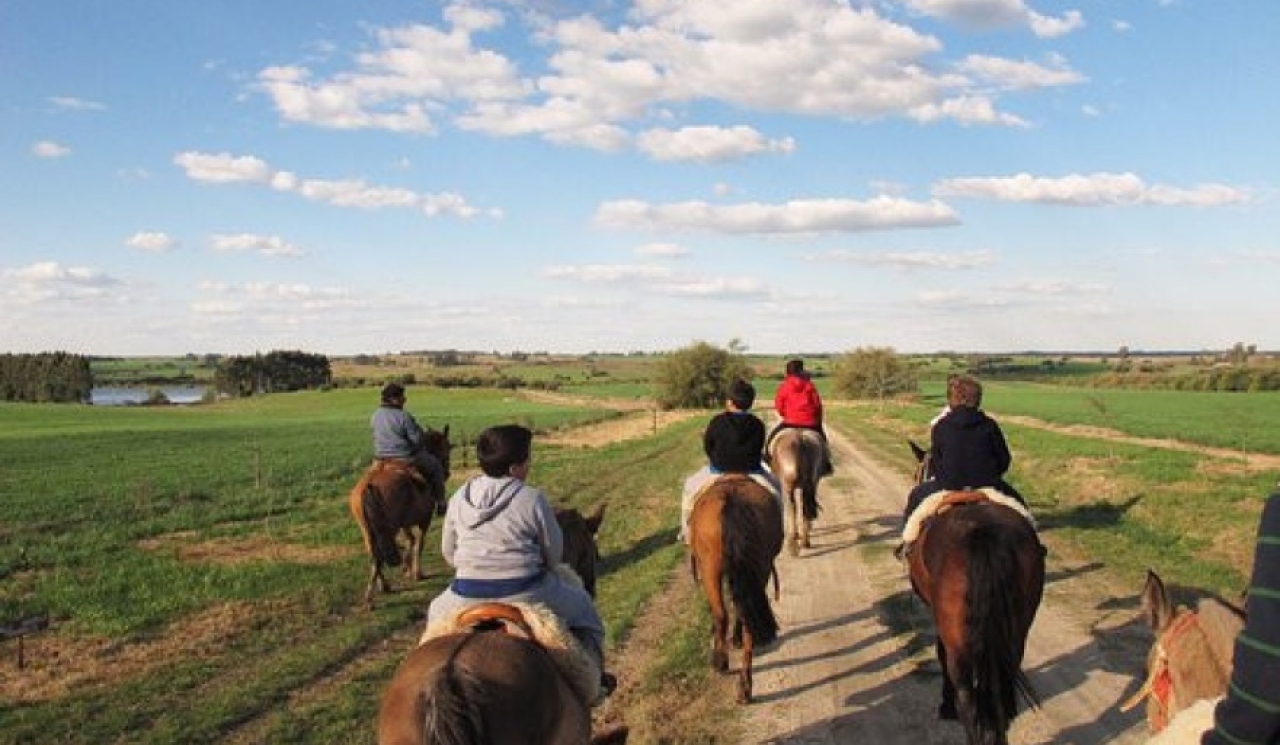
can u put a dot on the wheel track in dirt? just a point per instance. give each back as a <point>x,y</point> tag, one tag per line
<point>855,660</point>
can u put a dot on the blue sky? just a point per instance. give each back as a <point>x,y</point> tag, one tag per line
<point>803,176</point>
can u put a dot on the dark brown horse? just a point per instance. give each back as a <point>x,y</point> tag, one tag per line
<point>735,534</point>
<point>1190,658</point>
<point>497,675</point>
<point>979,566</point>
<point>795,456</point>
<point>392,497</point>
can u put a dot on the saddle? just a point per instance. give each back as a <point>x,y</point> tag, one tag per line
<point>537,623</point>
<point>939,502</point>
<point>401,465</point>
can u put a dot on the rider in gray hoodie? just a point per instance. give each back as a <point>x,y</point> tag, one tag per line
<point>501,536</point>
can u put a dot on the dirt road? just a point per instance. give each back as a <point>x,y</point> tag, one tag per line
<point>855,659</point>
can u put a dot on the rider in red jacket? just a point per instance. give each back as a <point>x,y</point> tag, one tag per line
<point>799,405</point>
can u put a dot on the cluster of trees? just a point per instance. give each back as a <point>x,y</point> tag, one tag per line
<point>273,372</point>
<point>698,376</point>
<point>47,377</point>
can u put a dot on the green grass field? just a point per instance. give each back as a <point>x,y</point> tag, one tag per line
<point>204,577</point>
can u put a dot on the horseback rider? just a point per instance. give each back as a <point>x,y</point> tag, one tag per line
<point>968,450</point>
<point>501,537</point>
<point>733,441</point>
<point>799,406</point>
<point>397,436</point>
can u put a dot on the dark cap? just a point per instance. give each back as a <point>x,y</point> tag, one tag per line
<point>392,390</point>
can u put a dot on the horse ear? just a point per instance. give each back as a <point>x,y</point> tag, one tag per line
<point>596,517</point>
<point>1156,608</point>
<point>918,451</point>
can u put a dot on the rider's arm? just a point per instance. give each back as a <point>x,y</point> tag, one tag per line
<point>1251,710</point>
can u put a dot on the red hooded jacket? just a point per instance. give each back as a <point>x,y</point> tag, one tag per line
<point>798,402</point>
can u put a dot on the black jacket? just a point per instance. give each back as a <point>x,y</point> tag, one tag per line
<point>734,441</point>
<point>969,450</point>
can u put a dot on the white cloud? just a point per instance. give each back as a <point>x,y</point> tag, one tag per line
<point>662,250</point>
<point>1020,75</point>
<point>71,103</point>
<point>154,242</point>
<point>595,83</point>
<point>46,282</point>
<point>735,288</point>
<point>607,272</point>
<point>708,144</point>
<point>267,245</point>
<point>797,216</point>
<point>48,149</point>
<point>1046,287</point>
<point>910,259</point>
<point>995,14</point>
<point>958,300</point>
<point>224,168</point>
<point>1095,189</point>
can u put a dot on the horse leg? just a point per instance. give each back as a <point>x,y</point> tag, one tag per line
<point>947,709</point>
<point>737,633</point>
<point>793,535</point>
<point>376,582</point>
<point>744,675</point>
<point>809,497</point>
<point>719,618</point>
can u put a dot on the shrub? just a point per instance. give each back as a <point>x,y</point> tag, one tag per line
<point>698,376</point>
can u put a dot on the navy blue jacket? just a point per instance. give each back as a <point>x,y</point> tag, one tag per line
<point>969,450</point>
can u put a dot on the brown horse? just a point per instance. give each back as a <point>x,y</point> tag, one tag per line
<point>580,550</point>
<point>979,566</point>
<point>795,456</point>
<point>390,498</point>
<point>1190,658</point>
<point>498,674</point>
<point>735,534</point>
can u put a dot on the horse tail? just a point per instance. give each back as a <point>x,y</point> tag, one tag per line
<point>811,448</point>
<point>449,714</point>
<point>382,537</point>
<point>748,584</point>
<point>995,602</point>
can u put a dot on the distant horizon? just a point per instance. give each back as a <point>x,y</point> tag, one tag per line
<point>1132,352</point>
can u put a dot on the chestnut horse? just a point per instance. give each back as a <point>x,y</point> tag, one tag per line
<point>1190,658</point>
<point>795,456</point>
<point>390,498</point>
<point>735,534</point>
<point>501,673</point>
<point>497,674</point>
<point>979,567</point>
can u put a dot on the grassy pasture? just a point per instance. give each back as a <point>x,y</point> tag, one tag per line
<point>204,575</point>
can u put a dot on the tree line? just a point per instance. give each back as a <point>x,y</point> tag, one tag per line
<point>273,372</point>
<point>46,377</point>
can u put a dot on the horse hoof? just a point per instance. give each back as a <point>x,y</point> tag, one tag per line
<point>947,711</point>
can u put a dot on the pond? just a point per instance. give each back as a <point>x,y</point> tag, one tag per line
<point>126,396</point>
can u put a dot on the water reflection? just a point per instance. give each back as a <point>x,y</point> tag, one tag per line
<point>123,396</point>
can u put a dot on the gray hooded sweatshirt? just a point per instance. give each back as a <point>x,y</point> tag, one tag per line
<point>500,528</point>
